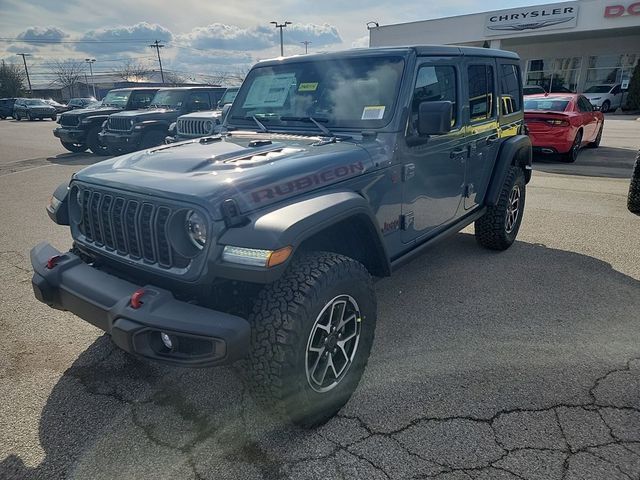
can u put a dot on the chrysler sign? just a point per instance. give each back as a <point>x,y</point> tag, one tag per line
<point>532,19</point>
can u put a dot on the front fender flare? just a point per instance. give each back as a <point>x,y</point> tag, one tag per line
<point>293,224</point>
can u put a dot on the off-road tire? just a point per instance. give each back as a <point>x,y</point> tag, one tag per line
<point>282,321</point>
<point>491,229</point>
<point>94,143</point>
<point>74,147</point>
<point>152,139</point>
<point>633,200</point>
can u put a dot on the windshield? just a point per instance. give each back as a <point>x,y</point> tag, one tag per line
<point>36,102</point>
<point>598,89</point>
<point>349,92</point>
<point>117,99</point>
<point>168,99</point>
<point>229,96</point>
<point>547,104</point>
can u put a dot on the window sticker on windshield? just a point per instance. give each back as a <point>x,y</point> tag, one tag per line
<point>373,112</point>
<point>269,91</point>
<point>308,87</point>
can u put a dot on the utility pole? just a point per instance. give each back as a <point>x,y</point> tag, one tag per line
<point>281,26</point>
<point>91,61</point>
<point>158,46</point>
<point>26,70</point>
<point>306,44</point>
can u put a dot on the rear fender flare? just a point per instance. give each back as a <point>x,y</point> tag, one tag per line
<point>514,151</point>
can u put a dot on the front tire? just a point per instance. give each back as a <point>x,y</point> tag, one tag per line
<point>633,200</point>
<point>606,105</point>
<point>498,228</point>
<point>312,331</point>
<point>93,142</point>
<point>29,117</point>
<point>74,147</point>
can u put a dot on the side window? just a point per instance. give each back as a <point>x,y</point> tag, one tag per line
<point>198,101</point>
<point>616,90</point>
<point>584,105</point>
<point>481,92</point>
<point>434,83</point>
<point>141,99</point>
<point>510,89</point>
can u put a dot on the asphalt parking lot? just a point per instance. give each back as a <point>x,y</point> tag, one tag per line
<point>487,366</point>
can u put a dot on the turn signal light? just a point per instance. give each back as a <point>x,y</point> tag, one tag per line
<point>52,262</point>
<point>279,256</point>
<point>136,298</point>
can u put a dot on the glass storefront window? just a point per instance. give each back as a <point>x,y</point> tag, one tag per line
<point>555,74</point>
<point>610,69</point>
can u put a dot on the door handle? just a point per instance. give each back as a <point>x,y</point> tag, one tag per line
<point>492,139</point>
<point>457,152</point>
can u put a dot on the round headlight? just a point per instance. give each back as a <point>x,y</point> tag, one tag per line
<point>196,229</point>
<point>208,126</point>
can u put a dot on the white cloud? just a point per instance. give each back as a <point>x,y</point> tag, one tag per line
<point>362,42</point>
<point>42,34</point>
<point>131,38</point>
<point>231,37</point>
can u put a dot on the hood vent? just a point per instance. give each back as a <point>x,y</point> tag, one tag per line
<point>259,143</point>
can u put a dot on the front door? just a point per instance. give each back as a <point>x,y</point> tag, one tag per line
<point>433,170</point>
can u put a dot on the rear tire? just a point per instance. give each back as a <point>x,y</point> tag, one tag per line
<point>93,142</point>
<point>74,147</point>
<point>572,155</point>
<point>300,366</point>
<point>596,142</point>
<point>633,200</point>
<point>498,228</point>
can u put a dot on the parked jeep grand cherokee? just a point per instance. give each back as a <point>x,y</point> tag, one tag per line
<point>32,109</point>
<point>79,128</point>
<point>140,129</point>
<point>261,244</point>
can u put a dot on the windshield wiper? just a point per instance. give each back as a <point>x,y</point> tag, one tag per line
<point>315,121</point>
<point>261,126</point>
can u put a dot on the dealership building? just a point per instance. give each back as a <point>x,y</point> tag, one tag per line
<point>572,45</point>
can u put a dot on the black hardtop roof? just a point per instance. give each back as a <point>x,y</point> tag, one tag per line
<point>420,50</point>
<point>133,88</point>
<point>200,87</point>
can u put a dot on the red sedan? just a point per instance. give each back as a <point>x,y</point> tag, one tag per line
<point>562,123</point>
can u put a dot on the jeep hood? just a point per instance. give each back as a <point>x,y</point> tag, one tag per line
<point>255,173</point>
<point>148,114</point>
<point>90,112</point>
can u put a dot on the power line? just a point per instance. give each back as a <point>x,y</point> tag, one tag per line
<point>158,46</point>
<point>22,40</point>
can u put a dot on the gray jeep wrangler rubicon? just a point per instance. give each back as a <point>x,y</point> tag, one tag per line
<point>260,244</point>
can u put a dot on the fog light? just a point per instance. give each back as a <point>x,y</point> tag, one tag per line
<point>166,339</point>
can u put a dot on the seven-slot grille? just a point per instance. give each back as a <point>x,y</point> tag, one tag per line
<point>117,123</point>
<point>69,120</point>
<point>194,127</point>
<point>128,226</point>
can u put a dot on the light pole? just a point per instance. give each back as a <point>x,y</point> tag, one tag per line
<point>26,70</point>
<point>281,26</point>
<point>91,61</point>
<point>306,44</point>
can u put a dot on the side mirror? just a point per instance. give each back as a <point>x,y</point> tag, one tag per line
<point>434,118</point>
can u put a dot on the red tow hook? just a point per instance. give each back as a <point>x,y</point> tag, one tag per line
<point>53,261</point>
<point>136,298</point>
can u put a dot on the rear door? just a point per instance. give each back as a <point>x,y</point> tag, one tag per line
<point>481,115</point>
<point>433,167</point>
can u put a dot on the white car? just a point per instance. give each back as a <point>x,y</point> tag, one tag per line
<point>605,97</point>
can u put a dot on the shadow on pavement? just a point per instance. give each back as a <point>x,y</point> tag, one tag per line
<point>83,158</point>
<point>593,162</point>
<point>461,331</point>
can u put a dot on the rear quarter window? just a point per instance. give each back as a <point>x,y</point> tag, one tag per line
<point>510,89</point>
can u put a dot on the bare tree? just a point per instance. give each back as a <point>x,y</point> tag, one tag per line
<point>133,71</point>
<point>12,79</point>
<point>173,78</point>
<point>67,73</point>
<point>237,75</point>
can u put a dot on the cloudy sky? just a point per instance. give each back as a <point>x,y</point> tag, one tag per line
<point>201,37</point>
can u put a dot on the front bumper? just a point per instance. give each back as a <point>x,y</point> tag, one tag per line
<point>202,337</point>
<point>125,141</point>
<point>70,135</point>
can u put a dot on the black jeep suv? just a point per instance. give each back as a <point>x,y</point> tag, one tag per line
<point>261,243</point>
<point>79,128</point>
<point>140,129</point>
